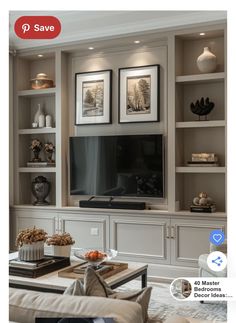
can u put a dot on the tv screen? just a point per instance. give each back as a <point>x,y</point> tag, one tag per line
<point>130,165</point>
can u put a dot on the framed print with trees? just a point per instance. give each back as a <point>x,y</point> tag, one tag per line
<point>93,97</point>
<point>139,94</point>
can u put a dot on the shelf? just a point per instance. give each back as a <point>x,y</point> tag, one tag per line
<point>37,169</point>
<point>31,93</point>
<point>200,169</point>
<point>201,124</point>
<point>188,213</point>
<point>36,131</point>
<point>201,78</point>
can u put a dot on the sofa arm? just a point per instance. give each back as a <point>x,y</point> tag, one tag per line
<point>26,305</point>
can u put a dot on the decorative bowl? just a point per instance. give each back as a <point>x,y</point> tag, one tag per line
<point>41,82</point>
<point>95,257</point>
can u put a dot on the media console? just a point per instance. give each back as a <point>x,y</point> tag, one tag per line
<point>111,204</point>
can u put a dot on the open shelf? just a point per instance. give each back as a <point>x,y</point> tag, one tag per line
<point>43,92</point>
<point>201,78</point>
<point>201,124</point>
<point>37,169</point>
<point>201,169</point>
<point>36,131</point>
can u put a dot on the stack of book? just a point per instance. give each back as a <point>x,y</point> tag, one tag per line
<point>37,268</point>
<point>204,159</point>
<point>203,208</point>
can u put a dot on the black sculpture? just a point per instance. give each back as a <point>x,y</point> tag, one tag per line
<point>202,107</point>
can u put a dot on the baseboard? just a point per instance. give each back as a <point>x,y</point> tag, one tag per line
<point>166,273</point>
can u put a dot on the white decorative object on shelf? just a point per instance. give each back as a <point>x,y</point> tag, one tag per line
<point>38,113</point>
<point>34,124</point>
<point>206,62</point>
<point>41,121</point>
<point>48,121</point>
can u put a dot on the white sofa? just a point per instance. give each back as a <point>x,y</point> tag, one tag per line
<point>25,305</point>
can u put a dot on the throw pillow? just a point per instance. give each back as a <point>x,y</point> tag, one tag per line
<point>95,285</point>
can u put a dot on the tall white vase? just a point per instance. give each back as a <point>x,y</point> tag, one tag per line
<point>206,62</point>
<point>38,113</point>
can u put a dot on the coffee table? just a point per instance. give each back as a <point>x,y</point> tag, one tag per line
<point>53,284</point>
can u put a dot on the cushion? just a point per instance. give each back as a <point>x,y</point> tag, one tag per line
<point>202,263</point>
<point>95,285</point>
<point>25,305</point>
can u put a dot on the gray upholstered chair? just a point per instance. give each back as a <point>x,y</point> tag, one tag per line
<point>204,270</point>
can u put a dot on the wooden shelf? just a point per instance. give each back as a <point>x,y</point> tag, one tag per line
<point>44,92</point>
<point>200,169</point>
<point>201,78</point>
<point>201,124</point>
<point>37,169</point>
<point>36,131</point>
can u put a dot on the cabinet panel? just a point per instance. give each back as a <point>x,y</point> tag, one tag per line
<point>141,239</point>
<point>191,239</point>
<point>88,232</point>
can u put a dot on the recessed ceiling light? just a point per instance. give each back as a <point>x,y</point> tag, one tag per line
<point>40,55</point>
<point>202,34</point>
<point>137,41</point>
<point>91,48</point>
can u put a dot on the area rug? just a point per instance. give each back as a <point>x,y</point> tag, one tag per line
<point>162,305</point>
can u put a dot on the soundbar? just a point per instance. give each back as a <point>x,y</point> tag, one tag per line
<point>112,204</point>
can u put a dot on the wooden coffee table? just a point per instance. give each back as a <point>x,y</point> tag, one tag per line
<point>54,284</point>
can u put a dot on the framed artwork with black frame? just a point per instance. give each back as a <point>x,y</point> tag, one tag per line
<point>93,92</point>
<point>139,94</point>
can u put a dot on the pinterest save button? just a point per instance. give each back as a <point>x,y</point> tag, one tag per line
<point>37,27</point>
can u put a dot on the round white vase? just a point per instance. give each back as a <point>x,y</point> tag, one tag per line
<point>32,251</point>
<point>206,62</point>
<point>61,251</point>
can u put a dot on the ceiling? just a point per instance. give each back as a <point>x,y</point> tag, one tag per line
<point>81,26</point>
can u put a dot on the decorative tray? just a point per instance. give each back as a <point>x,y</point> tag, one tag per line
<point>106,269</point>
<point>24,269</point>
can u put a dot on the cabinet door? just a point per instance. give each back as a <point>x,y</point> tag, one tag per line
<point>141,239</point>
<point>88,231</point>
<point>190,239</point>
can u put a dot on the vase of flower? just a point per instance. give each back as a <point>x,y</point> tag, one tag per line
<point>49,149</point>
<point>61,244</point>
<point>36,147</point>
<point>31,244</point>
<point>40,189</point>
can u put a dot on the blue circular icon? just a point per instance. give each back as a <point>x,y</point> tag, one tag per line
<point>217,237</point>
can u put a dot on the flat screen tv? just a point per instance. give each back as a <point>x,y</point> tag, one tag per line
<point>131,165</point>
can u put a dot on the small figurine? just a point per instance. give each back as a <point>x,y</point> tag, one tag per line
<point>202,107</point>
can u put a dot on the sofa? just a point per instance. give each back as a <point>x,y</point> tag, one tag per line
<point>25,305</point>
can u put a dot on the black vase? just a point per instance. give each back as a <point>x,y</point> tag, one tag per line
<point>40,189</point>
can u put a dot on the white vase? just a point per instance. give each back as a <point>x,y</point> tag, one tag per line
<point>206,62</point>
<point>61,251</point>
<point>48,121</point>
<point>31,251</point>
<point>38,113</point>
<point>41,121</point>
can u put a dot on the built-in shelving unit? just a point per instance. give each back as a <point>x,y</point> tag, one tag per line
<point>27,100</point>
<point>191,134</point>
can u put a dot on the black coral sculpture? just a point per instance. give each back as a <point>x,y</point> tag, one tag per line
<point>202,107</point>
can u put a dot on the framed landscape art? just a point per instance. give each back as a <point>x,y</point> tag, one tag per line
<point>139,94</point>
<point>93,97</point>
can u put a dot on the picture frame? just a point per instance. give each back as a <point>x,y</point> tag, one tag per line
<point>139,94</point>
<point>93,93</point>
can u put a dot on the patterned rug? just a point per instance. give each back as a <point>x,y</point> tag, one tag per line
<point>162,305</point>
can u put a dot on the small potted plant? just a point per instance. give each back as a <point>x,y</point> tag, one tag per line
<point>61,244</point>
<point>36,147</point>
<point>31,244</point>
<point>49,149</point>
